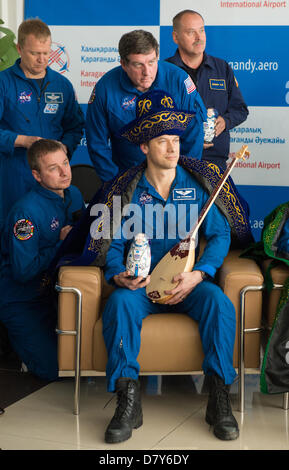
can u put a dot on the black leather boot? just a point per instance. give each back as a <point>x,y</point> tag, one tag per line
<point>219,412</point>
<point>128,414</point>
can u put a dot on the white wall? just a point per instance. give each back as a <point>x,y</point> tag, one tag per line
<point>12,13</point>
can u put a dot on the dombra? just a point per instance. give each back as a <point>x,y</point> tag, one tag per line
<point>181,258</point>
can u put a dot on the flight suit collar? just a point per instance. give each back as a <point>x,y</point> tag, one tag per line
<point>19,72</point>
<point>207,60</point>
<point>149,189</point>
<point>51,195</point>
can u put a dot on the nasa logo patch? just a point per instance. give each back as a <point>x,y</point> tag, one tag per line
<point>25,97</point>
<point>145,198</point>
<point>128,103</point>
<point>54,224</point>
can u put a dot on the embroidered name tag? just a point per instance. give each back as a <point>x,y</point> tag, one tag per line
<point>217,84</point>
<point>53,97</point>
<point>184,194</point>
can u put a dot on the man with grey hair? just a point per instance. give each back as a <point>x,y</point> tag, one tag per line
<point>113,100</point>
<point>214,80</point>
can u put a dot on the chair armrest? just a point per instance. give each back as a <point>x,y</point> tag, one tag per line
<point>279,274</point>
<point>88,280</point>
<point>237,273</point>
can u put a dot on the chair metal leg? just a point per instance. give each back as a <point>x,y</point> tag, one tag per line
<point>286,401</point>
<point>77,334</point>
<point>242,331</point>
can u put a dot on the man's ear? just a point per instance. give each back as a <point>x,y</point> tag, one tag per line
<point>123,64</point>
<point>144,148</point>
<point>36,175</point>
<point>175,37</point>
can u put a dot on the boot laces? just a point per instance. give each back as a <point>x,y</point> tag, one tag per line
<point>125,402</point>
<point>223,405</point>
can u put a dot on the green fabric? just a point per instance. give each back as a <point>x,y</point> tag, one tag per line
<point>8,50</point>
<point>283,301</point>
<point>267,248</point>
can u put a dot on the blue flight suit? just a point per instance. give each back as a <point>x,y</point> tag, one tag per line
<point>125,309</point>
<point>112,106</point>
<point>218,87</point>
<point>29,243</point>
<point>51,112</point>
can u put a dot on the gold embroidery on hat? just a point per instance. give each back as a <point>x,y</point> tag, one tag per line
<point>144,106</point>
<point>167,102</point>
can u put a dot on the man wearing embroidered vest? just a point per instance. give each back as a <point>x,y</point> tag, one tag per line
<point>34,230</point>
<point>35,102</point>
<point>157,129</point>
<point>113,99</point>
<point>214,80</point>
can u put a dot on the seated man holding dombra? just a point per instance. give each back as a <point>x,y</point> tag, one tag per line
<point>160,180</point>
<point>157,129</point>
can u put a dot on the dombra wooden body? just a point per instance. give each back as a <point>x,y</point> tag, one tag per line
<point>181,258</point>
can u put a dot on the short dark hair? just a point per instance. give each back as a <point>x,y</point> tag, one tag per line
<point>137,42</point>
<point>178,17</point>
<point>34,26</point>
<point>40,148</point>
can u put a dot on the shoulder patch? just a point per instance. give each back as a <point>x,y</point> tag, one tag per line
<point>189,84</point>
<point>23,229</point>
<point>92,96</point>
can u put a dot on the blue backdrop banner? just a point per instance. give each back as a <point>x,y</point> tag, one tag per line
<point>251,35</point>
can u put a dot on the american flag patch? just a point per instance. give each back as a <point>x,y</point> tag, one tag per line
<point>190,86</point>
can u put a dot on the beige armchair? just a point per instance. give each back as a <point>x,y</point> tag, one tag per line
<point>81,349</point>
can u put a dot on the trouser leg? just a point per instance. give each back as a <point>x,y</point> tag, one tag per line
<point>31,329</point>
<point>215,314</point>
<point>122,322</point>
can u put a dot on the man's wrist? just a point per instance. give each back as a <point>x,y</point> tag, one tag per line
<point>204,275</point>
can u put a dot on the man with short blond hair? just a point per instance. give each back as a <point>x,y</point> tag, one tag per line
<point>36,27</point>
<point>35,102</point>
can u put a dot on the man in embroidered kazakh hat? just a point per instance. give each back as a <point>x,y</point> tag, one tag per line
<point>165,183</point>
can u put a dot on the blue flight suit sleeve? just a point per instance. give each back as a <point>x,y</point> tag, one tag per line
<point>192,140</point>
<point>26,258</point>
<point>217,233</point>
<point>98,135</point>
<point>7,137</point>
<point>114,263</point>
<point>236,111</point>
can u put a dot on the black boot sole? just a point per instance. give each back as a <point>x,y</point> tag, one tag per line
<point>114,438</point>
